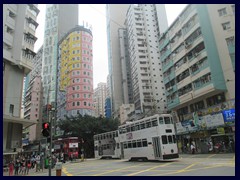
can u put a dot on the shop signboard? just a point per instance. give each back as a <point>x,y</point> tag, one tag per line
<point>180,128</point>
<point>229,115</point>
<point>186,126</point>
<point>73,145</point>
<point>214,120</point>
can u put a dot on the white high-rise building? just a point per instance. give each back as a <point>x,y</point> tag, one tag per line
<point>100,95</point>
<point>145,23</point>
<point>19,26</point>
<point>116,14</point>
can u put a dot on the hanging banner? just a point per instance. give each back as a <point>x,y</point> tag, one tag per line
<point>214,120</point>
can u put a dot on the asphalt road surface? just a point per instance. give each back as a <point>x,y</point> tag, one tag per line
<point>186,165</point>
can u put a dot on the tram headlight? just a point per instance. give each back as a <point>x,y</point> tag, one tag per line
<point>172,151</point>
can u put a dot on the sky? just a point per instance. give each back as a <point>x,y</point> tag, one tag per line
<point>94,14</point>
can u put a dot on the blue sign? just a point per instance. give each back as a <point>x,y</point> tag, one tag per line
<point>229,115</point>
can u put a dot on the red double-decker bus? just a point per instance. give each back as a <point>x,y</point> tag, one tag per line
<point>68,146</point>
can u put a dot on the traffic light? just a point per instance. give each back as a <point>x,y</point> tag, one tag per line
<point>46,129</point>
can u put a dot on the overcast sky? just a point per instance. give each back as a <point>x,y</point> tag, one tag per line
<point>95,15</point>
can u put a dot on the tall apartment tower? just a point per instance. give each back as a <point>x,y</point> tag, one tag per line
<point>198,57</point>
<point>116,14</point>
<point>19,26</point>
<point>59,19</point>
<point>75,73</point>
<point>100,95</point>
<point>33,98</point>
<point>145,23</point>
<point>125,66</point>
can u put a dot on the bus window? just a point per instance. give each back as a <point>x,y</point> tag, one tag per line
<point>117,145</point>
<point>137,127</point>
<point>129,144</point>
<point>148,124</point>
<point>116,134</point>
<point>164,139</point>
<point>170,139</point>
<point>167,120</point>
<point>139,143</point>
<point>96,148</point>
<point>144,142</point>
<point>132,128</point>
<point>107,136</point>
<point>142,126</point>
<point>174,139</point>
<point>125,145</point>
<point>100,137</point>
<point>171,120</point>
<point>134,144</point>
<point>168,131</point>
<point>161,120</point>
<point>110,135</point>
<point>154,123</point>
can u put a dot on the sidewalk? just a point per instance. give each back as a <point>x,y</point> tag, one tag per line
<point>32,172</point>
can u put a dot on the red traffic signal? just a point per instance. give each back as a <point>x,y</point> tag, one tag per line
<point>46,126</point>
<point>46,129</point>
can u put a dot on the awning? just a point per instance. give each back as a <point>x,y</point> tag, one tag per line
<point>25,122</point>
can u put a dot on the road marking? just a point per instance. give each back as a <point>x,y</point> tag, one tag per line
<point>211,156</point>
<point>116,170</point>
<point>64,170</point>
<point>149,169</point>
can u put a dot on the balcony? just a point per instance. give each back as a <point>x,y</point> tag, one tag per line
<point>10,22</point>
<point>184,82</point>
<point>8,39</point>
<point>165,42</point>
<point>171,90</point>
<point>168,65</point>
<point>165,54</point>
<point>186,97</point>
<point>169,77</point>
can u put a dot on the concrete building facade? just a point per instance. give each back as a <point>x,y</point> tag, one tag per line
<point>59,19</point>
<point>99,98</point>
<point>75,73</point>
<point>19,26</point>
<point>33,99</point>
<point>198,57</point>
<point>116,14</point>
<point>145,23</point>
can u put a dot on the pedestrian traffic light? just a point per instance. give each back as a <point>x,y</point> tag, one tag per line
<point>46,129</point>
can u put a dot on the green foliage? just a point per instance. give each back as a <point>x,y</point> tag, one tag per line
<point>85,127</point>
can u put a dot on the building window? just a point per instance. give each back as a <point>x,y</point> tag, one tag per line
<point>85,103</point>
<point>222,12</point>
<point>78,103</point>
<point>230,41</point>
<point>226,26</point>
<point>11,109</point>
<point>73,104</point>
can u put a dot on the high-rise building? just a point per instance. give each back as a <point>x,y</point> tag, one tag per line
<point>59,19</point>
<point>116,14</point>
<point>19,26</point>
<point>145,23</point>
<point>125,67</point>
<point>75,73</point>
<point>33,98</point>
<point>198,57</point>
<point>100,94</point>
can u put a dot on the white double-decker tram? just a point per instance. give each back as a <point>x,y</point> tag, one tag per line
<point>106,145</point>
<point>151,138</point>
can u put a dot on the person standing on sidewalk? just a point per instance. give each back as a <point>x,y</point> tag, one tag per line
<point>37,163</point>
<point>11,167</point>
<point>192,148</point>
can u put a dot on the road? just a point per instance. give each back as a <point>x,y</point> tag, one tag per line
<point>186,165</point>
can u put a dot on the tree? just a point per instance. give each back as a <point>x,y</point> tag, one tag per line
<point>85,127</point>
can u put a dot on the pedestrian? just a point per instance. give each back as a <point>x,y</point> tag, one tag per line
<point>11,167</point>
<point>38,163</point>
<point>192,149</point>
<point>16,166</point>
<point>28,165</point>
